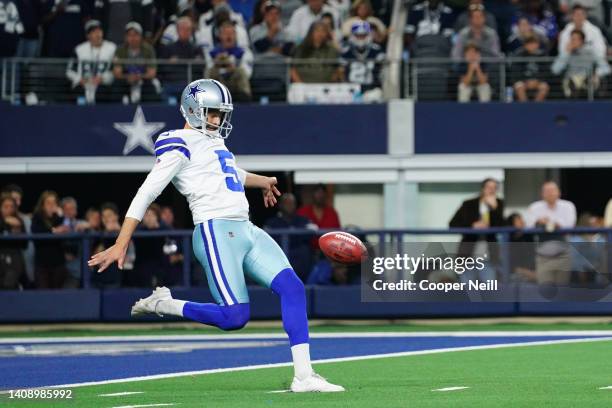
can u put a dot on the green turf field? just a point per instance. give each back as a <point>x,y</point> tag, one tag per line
<point>557,375</point>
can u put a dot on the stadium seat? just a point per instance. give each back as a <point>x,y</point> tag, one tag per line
<point>47,81</point>
<point>269,79</point>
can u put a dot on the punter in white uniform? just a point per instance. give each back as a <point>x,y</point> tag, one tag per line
<point>226,243</point>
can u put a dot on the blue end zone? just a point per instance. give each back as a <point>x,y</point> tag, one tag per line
<point>39,363</point>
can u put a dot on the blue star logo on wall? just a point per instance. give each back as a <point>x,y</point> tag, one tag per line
<point>194,91</point>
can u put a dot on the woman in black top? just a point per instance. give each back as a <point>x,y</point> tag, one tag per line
<point>49,263</point>
<point>12,265</point>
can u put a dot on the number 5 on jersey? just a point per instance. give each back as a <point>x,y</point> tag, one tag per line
<point>232,181</point>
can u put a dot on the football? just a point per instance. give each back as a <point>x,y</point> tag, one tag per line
<point>343,247</point>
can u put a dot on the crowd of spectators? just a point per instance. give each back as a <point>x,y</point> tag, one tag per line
<point>548,257</point>
<point>575,33</point>
<point>331,41</point>
<point>130,51</point>
<point>150,260</point>
<point>57,263</point>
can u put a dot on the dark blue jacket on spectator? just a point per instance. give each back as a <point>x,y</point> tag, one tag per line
<point>64,25</point>
<point>11,27</point>
<point>297,222</point>
<point>31,13</point>
<point>49,252</point>
<point>236,52</point>
<point>300,254</point>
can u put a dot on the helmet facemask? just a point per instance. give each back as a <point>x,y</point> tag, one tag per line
<point>210,129</point>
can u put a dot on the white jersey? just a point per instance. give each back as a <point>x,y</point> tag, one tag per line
<point>202,169</point>
<point>89,61</point>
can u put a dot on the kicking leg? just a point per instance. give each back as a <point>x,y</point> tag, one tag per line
<point>232,317</point>
<point>220,246</point>
<point>267,264</point>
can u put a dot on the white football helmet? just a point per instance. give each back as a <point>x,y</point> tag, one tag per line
<point>200,96</point>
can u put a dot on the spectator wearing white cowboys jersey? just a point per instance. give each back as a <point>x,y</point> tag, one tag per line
<point>90,70</point>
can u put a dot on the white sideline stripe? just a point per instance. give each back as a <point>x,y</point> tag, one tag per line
<point>451,389</point>
<point>325,361</point>
<point>609,387</point>
<point>120,394</point>
<point>147,405</point>
<point>339,335</point>
<point>277,391</point>
<point>215,265</point>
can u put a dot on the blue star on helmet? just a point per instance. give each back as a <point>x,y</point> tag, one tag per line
<point>193,92</point>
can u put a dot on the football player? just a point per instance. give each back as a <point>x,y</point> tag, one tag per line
<point>363,61</point>
<point>225,242</point>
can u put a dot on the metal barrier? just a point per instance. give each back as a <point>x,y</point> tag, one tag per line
<point>380,239</point>
<point>437,79</point>
<point>425,79</point>
<point>39,81</point>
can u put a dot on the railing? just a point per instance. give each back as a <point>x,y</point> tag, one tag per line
<point>383,242</point>
<point>45,81</point>
<point>42,81</point>
<point>437,79</point>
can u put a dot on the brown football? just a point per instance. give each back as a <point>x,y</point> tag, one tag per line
<point>343,247</point>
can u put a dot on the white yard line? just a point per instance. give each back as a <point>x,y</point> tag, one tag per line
<point>450,389</point>
<point>168,404</point>
<point>277,391</point>
<point>340,335</point>
<point>609,387</point>
<point>120,394</point>
<point>329,360</point>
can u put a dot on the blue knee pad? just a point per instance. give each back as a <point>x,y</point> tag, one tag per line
<point>236,316</point>
<point>293,305</point>
<point>232,317</point>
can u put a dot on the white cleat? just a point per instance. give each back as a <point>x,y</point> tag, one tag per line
<point>148,305</point>
<point>314,383</point>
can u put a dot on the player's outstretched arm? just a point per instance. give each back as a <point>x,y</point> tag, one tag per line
<point>166,167</point>
<point>117,252</point>
<point>267,185</point>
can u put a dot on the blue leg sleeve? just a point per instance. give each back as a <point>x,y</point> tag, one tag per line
<point>293,305</point>
<point>232,317</point>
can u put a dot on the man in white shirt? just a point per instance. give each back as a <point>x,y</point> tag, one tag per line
<point>89,71</point>
<point>593,37</point>
<point>303,17</point>
<point>553,264</point>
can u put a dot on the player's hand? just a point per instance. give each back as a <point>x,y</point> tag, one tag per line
<point>270,192</point>
<point>104,259</point>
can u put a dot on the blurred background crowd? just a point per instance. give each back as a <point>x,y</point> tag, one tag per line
<point>135,50</point>
<point>545,257</point>
<point>115,45</point>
